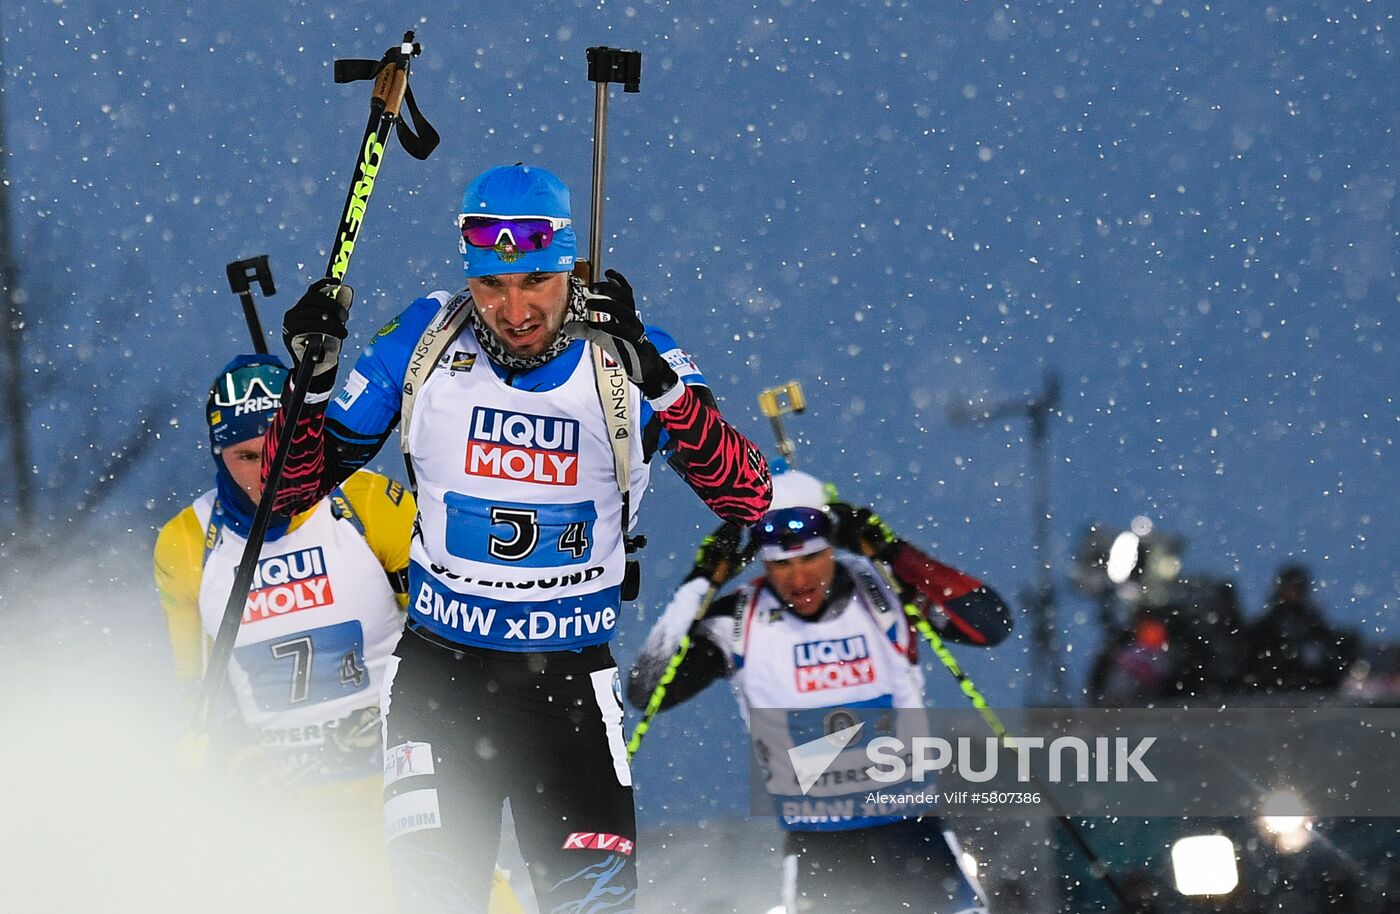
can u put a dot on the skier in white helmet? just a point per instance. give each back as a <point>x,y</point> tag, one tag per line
<point>824,628</point>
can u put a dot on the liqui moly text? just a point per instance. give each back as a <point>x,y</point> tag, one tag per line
<point>837,663</point>
<point>523,447</point>
<point>288,583</point>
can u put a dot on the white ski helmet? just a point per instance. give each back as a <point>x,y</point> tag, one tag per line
<point>797,522</point>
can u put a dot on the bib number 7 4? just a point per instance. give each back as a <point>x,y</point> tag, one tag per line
<point>316,665</point>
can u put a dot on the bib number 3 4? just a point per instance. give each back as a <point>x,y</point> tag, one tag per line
<point>513,533</point>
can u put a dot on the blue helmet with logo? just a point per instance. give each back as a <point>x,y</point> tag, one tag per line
<point>516,219</point>
<point>243,399</point>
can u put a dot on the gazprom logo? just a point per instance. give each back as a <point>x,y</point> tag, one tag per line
<point>523,447</point>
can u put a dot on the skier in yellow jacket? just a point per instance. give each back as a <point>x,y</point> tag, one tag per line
<point>326,605</point>
<point>325,611</point>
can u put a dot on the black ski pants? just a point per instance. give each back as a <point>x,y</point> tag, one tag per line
<point>904,866</point>
<point>466,729</point>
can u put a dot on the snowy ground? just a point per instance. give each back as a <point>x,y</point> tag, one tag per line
<point>106,820</point>
<point>92,706</point>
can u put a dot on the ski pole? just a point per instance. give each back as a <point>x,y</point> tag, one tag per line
<point>605,65</point>
<point>241,273</point>
<point>984,710</point>
<point>658,694</point>
<point>390,77</point>
<point>775,402</point>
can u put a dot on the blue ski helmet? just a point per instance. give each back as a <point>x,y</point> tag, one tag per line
<point>243,399</point>
<point>516,219</point>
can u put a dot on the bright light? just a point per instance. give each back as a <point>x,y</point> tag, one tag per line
<point>1283,810</point>
<point>1205,865</point>
<point>778,910</point>
<point>1122,557</point>
<point>1282,824</point>
<point>970,869</point>
<point>1285,818</point>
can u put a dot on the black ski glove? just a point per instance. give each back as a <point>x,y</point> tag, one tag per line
<point>860,530</point>
<point>619,331</point>
<point>322,311</point>
<point>720,556</point>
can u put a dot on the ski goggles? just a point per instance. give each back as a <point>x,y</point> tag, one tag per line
<point>519,233</point>
<point>243,384</point>
<point>790,532</point>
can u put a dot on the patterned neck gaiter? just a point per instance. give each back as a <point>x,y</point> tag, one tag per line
<point>496,350</point>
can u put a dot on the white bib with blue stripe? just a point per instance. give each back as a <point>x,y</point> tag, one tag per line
<point>320,623</point>
<point>521,522</point>
<point>800,681</point>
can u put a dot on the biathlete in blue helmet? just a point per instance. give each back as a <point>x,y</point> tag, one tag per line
<point>533,406</point>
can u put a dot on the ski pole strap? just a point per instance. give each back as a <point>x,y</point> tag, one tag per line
<point>419,144</point>
<point>418,141</point>
<point>354,69</point>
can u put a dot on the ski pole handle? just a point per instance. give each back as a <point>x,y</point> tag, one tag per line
<point>241,274</point>
<point>605,65</point>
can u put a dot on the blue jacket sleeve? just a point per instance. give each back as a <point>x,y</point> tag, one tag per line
<point>368,401</point>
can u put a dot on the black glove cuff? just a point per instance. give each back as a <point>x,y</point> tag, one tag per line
<point>890,551</point>
<point>658,377</point>
<point>320,385</point>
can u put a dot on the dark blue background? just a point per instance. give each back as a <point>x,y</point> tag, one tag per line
<point>1187,210</point>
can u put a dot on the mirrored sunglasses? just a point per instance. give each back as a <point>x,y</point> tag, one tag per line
<point>519,233</point>
<point>791,527</point>
<point>242,384</point>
